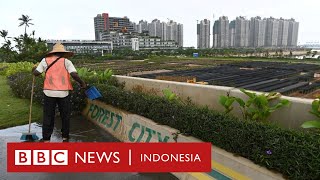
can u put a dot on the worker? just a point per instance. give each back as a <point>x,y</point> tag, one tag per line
<point>57,84</point>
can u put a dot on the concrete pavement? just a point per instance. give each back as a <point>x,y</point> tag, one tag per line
<point>81,130</point>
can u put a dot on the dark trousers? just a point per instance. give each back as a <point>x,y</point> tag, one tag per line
<point>49,109</point>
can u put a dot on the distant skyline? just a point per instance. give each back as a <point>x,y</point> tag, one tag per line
<point>74,19</point>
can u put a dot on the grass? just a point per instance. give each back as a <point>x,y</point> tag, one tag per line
<point>122,67</point>
<point>2,65</point>
<point>15,111</point>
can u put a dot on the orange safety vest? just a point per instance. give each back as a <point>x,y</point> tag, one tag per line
<point>57,78</point>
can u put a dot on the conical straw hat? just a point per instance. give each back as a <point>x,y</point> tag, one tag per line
<point>58,47</point>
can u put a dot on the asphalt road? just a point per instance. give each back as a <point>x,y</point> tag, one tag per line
<point>81,130</point>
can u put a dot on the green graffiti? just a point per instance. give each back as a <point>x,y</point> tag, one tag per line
<point>143,129</point>
<point>104,116</point>
<point>101,114</point>
<point>134,126</point>
<point>110,121</point>
<point>119,119</point>
<point>151,132</point>
<point>165,139</point>
<point>90,109</point>
<point>96,108</point>
<point>141,134</point>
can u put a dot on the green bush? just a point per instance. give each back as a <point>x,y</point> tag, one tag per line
<point>9,69</point>
<point>315,110</point>
<point>21,83</point>
<point>294,154</point>
<point>98,77</point>
<point>257,107</point>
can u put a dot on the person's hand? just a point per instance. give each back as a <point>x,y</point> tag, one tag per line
<point>34,67</point>
<point>83,85</point>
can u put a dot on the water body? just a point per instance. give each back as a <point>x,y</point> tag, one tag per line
<point>81,130</point>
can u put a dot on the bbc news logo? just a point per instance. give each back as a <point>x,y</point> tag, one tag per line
<point>109,157</point>
<point>60,157</point>
<point>41,157</point>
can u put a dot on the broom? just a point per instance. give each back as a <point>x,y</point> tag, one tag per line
<point>29,136</point>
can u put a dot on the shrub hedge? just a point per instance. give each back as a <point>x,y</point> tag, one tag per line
<point>21,83</point>
<point>294,154</point>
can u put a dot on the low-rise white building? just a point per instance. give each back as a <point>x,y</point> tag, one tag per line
<point>137,41</point>
<point>149,42</point>
<point>119,40</point>
<point>135,44</point>
<point>84,46</point>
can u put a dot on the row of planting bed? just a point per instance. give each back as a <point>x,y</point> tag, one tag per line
<point>284,78</point>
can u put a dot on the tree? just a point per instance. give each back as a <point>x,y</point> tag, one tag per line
<point>29,49</point>
<point>23,47</point>
<point>25,20</point>
<point>33,32</point>
<point>4,34</point>
<point>6,50</point>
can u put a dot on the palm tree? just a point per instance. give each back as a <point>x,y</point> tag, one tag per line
<point>6,45</point>
<point>25,20</point>
<point>4,34</point>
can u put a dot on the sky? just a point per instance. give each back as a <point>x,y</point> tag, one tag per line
<point>73,19</point>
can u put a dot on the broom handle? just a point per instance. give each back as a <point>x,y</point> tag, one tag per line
<point>33,77</point>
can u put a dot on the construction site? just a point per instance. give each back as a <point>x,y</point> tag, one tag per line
<point>291,79</point>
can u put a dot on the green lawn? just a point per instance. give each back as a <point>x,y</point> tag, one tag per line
<point>15,111</point>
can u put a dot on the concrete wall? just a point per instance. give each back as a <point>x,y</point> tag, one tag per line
<point>125,126</point>
<point>128,127</point>
<point>290,117</point>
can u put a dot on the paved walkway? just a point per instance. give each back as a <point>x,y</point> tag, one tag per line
<point>81,131</point>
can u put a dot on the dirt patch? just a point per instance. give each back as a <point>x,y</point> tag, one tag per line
<point>176,78</point>
<point>312,95</point>
<point>148,72</point>
<point>193,65</point>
